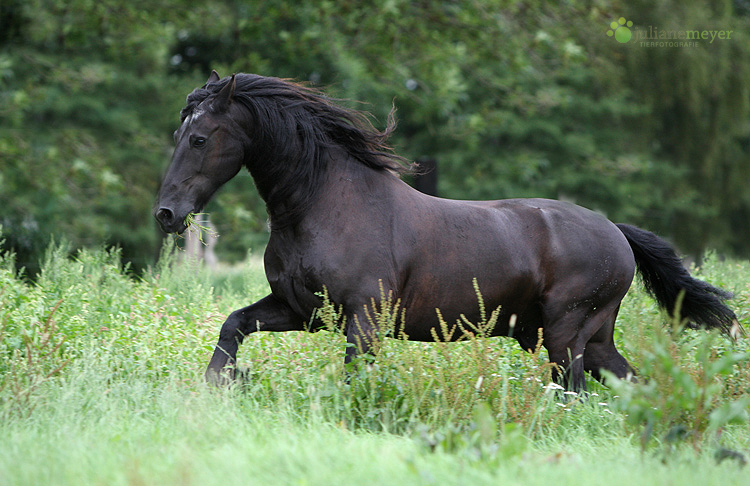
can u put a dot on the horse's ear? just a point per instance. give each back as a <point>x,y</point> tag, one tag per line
<point>214,77</point>
<point>224,97</point>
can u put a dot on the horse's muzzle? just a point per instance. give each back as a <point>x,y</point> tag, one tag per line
<point>168,221</point>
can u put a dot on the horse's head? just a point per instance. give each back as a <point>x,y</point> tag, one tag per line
<point>283,132</point>
<point>208,152</point>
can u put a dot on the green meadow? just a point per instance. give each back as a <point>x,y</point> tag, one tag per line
<point>101,383</point>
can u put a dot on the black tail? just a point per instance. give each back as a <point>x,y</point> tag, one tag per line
<point>665,279</point>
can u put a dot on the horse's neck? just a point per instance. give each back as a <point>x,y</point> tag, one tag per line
<point>347,173</point>
<point>348,189</point>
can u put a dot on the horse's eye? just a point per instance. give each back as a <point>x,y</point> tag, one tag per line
<point>199,142</point>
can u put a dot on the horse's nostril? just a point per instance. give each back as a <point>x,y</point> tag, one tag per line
<point>165,215</point>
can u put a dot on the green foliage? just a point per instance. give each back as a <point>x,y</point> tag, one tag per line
<point>479,442</point>
<point>87,307</point>
<point>682,396</point>
<point>698,111</point>
<point>85,116</point>
<point>114,365</point>
<point>512,98</point>
<point>692,385</point>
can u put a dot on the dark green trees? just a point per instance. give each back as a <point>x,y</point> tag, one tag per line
<point>512,98</point>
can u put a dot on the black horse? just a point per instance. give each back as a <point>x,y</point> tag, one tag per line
<point>341,217</point>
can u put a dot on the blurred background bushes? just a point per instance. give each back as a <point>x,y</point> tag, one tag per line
<point>512,98</point>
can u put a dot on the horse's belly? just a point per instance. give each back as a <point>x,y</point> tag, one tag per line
<point>472,306</point>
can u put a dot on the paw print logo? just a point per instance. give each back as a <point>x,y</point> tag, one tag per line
<point>620,30</point>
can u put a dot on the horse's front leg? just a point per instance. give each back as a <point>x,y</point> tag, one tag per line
<point>268,314</point>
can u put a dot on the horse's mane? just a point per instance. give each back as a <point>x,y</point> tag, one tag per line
<point>293,125</point>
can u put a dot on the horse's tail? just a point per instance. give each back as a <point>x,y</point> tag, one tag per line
<point>666,279</point>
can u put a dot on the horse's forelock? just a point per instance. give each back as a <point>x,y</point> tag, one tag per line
<point>193,100</point>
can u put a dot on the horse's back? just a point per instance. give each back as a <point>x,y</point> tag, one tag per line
<point>567,241</point>
<point>525,230</point>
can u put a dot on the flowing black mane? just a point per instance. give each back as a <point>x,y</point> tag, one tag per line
<point>292,128</point>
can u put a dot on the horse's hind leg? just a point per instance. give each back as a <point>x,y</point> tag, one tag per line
<point>601,353</point>
<point>566,347</point>
<point>577,341</point>
<point>567,359</point>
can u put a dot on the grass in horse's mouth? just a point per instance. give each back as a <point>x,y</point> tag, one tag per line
<point>194,223</point>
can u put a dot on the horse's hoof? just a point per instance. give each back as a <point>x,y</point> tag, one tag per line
<point>218,378</point>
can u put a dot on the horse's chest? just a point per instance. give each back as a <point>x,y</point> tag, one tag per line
<point>291,279</point>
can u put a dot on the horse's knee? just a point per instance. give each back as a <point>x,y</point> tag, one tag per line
<point>233,327</point>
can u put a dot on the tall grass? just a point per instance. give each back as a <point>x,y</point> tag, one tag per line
<point>101,383</point>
